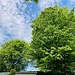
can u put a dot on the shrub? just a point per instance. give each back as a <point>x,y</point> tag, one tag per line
<point>12,72</point>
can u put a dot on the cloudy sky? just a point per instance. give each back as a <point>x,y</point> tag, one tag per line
<point>16,17</point>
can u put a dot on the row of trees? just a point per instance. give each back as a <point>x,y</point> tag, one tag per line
<point>52,46</point>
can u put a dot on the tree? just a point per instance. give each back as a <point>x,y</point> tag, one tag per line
<point>36,1</point>
<point>53,40</point>
<point>13,55</point>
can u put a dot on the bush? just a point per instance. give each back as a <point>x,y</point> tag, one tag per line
<point>12,72</point>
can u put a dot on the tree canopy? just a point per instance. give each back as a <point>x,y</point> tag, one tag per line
<point>36,1</point>
<point>13,55</point>
<point>53,40</point>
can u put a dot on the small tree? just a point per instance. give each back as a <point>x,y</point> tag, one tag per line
<point>12,72</point>
<point>53,40</point>
<point>13,55</point>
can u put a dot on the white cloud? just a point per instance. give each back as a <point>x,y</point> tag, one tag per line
<point>1,37</point>
<point>14,23</point>
<point>72,0</point>
<point>15,18</point>
<point>46,3</point>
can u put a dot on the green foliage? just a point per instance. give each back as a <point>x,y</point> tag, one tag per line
<point>53,40</point>
<point>14,55</point>
<point>12,72</point>
<point>36,1</point>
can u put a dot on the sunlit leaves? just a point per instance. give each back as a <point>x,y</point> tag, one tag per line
<point>53,40</point>
<point>13,55</point>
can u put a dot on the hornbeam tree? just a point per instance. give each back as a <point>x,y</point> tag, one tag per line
<point>53,40</point>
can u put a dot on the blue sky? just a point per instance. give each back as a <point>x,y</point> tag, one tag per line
<point>16,17</point>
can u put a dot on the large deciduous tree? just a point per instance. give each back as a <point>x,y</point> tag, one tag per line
<point>13,55</point>
<point>53,40</point>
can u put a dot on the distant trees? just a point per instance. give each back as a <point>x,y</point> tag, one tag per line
<point>53,40</point>
<point>13,55</point>
<point>36,1</point>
